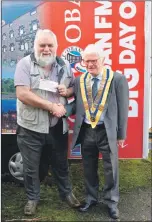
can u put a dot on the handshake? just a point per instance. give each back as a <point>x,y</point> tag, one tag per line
<point>57,109</point>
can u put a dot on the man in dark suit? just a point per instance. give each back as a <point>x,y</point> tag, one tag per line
<point>101,108</point>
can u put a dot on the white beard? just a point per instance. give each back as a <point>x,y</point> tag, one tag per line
<point>45,60</point>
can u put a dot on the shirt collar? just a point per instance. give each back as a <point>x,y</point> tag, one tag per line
<point>55,64</point>
<point>98,76</point>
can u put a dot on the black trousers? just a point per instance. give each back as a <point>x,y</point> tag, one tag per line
<point>31,144</point>
<point>95,141</point>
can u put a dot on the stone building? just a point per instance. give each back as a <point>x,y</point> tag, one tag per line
<point>18,37</point>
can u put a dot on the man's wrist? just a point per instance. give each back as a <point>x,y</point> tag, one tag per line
<point>66,93</point>
<point>69,92</point>
<point>51,107</point>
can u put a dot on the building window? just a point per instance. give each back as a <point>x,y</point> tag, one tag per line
<point>26,46</point>
<point>21,30</point>
<point>12,63</point>
<point>33,13</point>
<point>4,48</point>
<point>22,46</point>
<point>12,47</point>
<point>11,34</point>
<point>34,25</point>
<point>4,36</point>
<point>32,42</point>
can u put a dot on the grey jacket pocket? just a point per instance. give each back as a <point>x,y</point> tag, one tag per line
<point>35,81</point>
<point>30,114</point>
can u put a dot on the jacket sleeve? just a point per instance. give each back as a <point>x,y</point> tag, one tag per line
<point>71,107</point>
<point>70,74</point>
<point>122,94</point>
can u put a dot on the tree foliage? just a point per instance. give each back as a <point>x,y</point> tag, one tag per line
<point>8,86</point>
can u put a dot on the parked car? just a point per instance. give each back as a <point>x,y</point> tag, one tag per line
<point>12,163</point>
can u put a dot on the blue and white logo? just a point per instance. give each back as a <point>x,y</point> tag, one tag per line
<point>73,55</point>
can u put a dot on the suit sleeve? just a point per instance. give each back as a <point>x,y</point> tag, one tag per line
<point>71,108</point>
<point>122,94</point>
<point>72,76</point>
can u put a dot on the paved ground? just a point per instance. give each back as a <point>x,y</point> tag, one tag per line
<point>134,206</point>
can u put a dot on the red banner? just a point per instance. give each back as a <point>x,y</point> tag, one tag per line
<point>118,27</point>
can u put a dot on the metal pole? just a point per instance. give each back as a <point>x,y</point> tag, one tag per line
<point>147,76</point>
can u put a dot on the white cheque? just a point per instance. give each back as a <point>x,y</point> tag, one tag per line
<point>48,85</point>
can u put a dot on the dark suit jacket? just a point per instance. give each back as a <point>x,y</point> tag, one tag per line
<point>116,116</point>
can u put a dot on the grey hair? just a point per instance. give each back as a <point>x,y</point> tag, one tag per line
<point>92,48</point>
<point>41,31</point>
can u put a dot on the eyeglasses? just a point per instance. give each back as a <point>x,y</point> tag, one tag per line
<point>86,62</point>
<point>44,45</point>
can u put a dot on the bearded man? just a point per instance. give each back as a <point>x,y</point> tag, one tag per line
<point>40,78</point>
